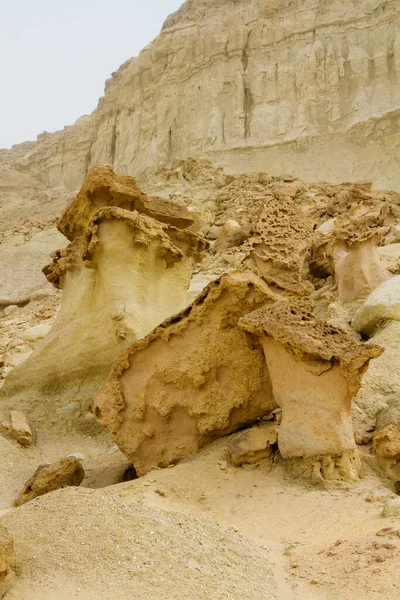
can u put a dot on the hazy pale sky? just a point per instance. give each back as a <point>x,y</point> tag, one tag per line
<point>55,56</point>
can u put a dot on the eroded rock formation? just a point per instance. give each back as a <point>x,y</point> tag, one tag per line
<point>284,235</point>
<point>315,372</point>
<point>354,250</point>
<point>194,378</point>
<point>121,275</point>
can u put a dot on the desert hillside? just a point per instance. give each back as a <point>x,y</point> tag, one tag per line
<point>200,319</point>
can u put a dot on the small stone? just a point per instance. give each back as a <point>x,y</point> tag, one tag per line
<point>213,232</point>
<point>33,334</point>
<point>382,304</point>
<point>18,428</point>
<point>391,508</point>
<point>47,478</point>
<point>231,235</point>
<point>366,438</point>
<point>10,309</point>
<point>284,191</point>
<point>251,445</point>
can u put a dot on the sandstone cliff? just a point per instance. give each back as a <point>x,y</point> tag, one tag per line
<point>307,86</point>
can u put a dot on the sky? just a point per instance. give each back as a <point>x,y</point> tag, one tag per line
<point>56,55</point>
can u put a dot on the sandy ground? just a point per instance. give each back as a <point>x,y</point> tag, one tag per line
<point>323,542</point>
<point>312,542</point>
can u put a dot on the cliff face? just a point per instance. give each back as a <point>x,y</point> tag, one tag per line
<point>306,86</point>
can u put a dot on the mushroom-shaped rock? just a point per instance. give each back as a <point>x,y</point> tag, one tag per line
<point>194,378</point>
<point>315,371</point>
<point>104,188</point>
<point>284,235</point>
<point>382,305</point>
<point>354,252</point>
<point>124,276</point>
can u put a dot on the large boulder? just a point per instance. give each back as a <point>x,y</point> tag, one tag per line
<point>382,305</point>
<point>194,378</point>
<point>379,394</point>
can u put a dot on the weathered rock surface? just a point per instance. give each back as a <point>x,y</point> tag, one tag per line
<point>390,257</point>
<point>104,188</point>
<point>122,274</point>
<point>248,84</point>
<point>47,478</point>
<point>6,561</point>
<point>387,442</point>
<point>315,372</point>
<point>18,428</point>
<point>382,305</point>
<point>194,378</point>
<point>284,235</point>
<point>380,388</point>
<point>253,444</point>
<point>358,269</point>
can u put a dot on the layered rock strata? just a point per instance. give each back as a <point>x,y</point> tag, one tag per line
<point>315,372</point>
<point>311,87</point>
<point>195,377</point>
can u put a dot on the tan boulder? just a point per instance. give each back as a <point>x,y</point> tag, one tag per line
<point>390,257</point>
<point>378,400</point>
<point>387,442</point>
<point>253,444</point>
<point>194,378</point>
<point>387,447</point>
<point>315,371</point>
<point>6,561</point>
<point>382,305</point>
<point>47,478</point>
